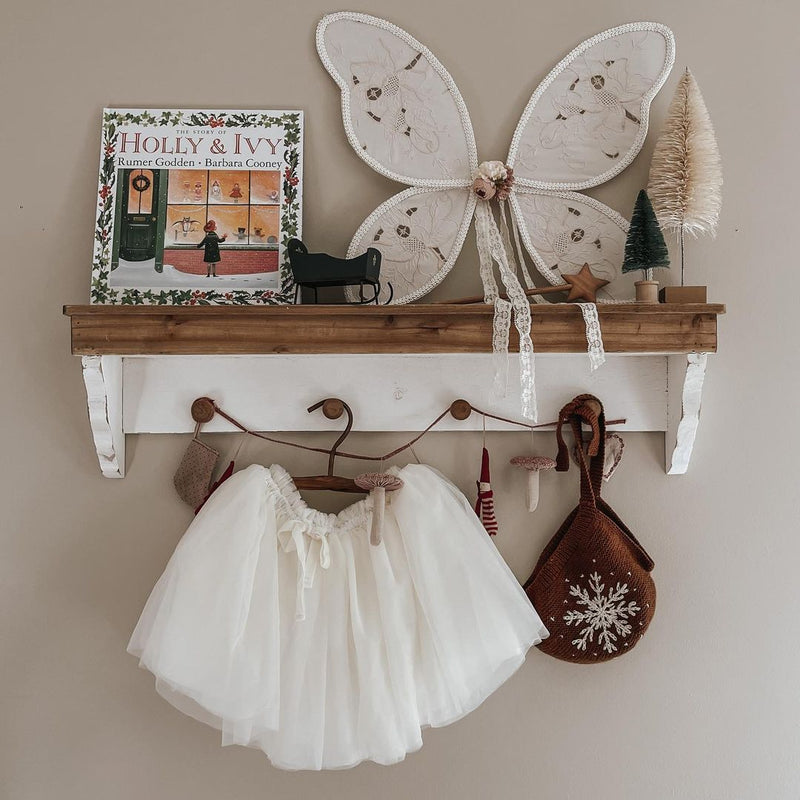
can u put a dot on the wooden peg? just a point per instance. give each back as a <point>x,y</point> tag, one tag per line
<point>333,408</point>
<point>460,409</point>
<point>203,409</point>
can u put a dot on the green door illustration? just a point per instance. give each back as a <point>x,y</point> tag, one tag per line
<point>139,214</point>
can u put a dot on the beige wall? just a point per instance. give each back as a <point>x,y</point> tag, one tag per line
<point>707,706</point>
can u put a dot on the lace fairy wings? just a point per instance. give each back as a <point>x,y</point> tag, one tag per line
<point>405,117</point>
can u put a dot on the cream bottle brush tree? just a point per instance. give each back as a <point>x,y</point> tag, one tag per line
<point>685,183</point>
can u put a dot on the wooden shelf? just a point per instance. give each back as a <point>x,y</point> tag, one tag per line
<point>234,330</point>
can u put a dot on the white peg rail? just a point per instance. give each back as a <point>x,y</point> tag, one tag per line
<point>388,392</point>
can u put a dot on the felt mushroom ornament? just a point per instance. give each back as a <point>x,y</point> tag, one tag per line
<point>534,465</point>
<point>377,484</point>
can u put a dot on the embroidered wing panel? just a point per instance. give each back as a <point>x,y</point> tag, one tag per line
<point>588,119</point>
<point>562,231</point>
<point>402,111</point>
<point>420,233</point>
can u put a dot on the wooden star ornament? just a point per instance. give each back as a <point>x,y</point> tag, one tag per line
<point>583,285</point>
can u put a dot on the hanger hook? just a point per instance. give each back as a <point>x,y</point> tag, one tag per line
<point>332,408</point>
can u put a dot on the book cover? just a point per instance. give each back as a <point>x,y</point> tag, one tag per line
<point>196,207</point>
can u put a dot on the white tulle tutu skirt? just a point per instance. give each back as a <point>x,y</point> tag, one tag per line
<point>283,627</point>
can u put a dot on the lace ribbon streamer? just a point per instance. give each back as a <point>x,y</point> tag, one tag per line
<point>523,267</point>
<point>594,337</point>
<point>517,308</point>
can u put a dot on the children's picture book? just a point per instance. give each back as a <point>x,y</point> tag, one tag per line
<point>197,207</point>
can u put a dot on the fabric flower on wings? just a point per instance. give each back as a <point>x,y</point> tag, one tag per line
<point>494,179</point>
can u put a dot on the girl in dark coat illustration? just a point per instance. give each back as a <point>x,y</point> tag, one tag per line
<point>211,243</point>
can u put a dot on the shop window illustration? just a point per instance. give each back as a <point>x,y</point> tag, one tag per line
<point>245,207</point>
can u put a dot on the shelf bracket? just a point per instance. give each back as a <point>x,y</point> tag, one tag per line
<point>102,376</point>
<point>685,376</point>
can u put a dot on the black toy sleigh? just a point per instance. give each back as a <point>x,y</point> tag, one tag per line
<point>319,270</point>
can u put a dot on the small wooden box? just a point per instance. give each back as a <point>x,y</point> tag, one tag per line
<point>683,294</point>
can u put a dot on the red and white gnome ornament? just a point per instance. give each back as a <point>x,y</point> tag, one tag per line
<point>484,507</point>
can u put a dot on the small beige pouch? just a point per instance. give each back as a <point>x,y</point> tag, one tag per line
<point>193,477</point>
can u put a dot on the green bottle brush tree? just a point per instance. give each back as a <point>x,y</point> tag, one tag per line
<point>645,248</point>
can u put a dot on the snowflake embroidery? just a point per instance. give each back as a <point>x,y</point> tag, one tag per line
<point>610,615</point>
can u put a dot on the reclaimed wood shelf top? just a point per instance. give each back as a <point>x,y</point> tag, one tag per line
<point>409,329</point>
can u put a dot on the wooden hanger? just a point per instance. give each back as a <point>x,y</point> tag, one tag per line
<point>332,408</point>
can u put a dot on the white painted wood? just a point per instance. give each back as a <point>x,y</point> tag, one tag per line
<point>102,376</point>
<point>676,373</point>
<point>685,390</point>
<point>386,392</point>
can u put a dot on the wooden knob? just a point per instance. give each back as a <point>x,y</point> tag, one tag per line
<point>333,408</point>
<point>203,409</point>
<point>460,409</point>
